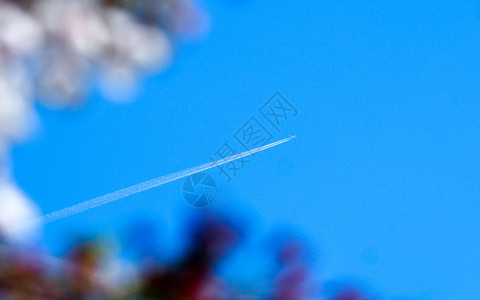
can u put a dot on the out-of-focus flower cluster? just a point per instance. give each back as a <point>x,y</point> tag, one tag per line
<point>88,271</point>
<point>51,49</point>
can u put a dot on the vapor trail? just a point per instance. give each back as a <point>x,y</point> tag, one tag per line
<point>134,189</point>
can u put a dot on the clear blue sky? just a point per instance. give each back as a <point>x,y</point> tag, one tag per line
<point>383,177</point>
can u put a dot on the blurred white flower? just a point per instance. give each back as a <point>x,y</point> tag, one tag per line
<point>16,109</point>
<point>16,208</point>
<point>20,33</point>
<point>141,46</point>
<point>62,78</point>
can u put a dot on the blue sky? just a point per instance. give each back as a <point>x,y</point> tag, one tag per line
<point>383,177</point>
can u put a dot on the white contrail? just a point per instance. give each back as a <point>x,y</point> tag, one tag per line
<point>134,189</point>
